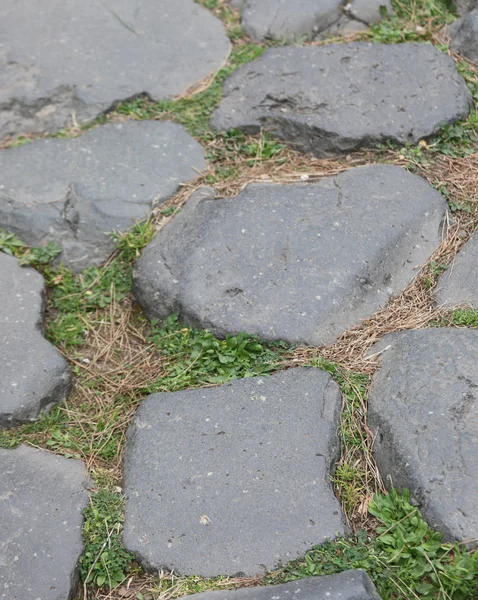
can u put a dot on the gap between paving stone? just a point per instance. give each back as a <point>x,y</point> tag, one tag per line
<point>75,191</point>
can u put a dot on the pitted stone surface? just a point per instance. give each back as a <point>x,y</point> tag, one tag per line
<point>301,262</point>
<point>423,411</point>
<point>339,97</point>
<point>458,286</point>
<point>63,62</point>
<point>292,19</point>
<point>41,499</point>
<point>464,35</point>
<point>33,374</point>
<point>348,585</point>
<point>224,481</point>
<point>76,191</point>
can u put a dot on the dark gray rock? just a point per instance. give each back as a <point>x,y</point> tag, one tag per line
<point>464,35</point>
<point>224,481</point>
<point>458,286</point>
<point>423,410</point>
<point>75,191</point>
<point>33,374</point>
<point>339,97</point>
<point>348,585</point>
<point>292,19</point>
<point>41,499</point>
<point>61,62</point>
<point>301,262</point>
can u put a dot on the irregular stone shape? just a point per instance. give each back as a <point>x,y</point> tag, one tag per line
<point>292,19</point>
<point>339,97</point>
<point>464,35</point>
<point>348,585</point>
<point>301,262</point>
<point>81,60</point>
<point>33,374</point>
<point>74,191</point>
<point>224,481</point>
<point>464,6</point>
<point>458,286</point>
<point>41,499</point>
<point>423,410</point>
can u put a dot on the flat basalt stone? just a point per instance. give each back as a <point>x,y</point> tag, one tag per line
<point>458,286</point>
<point>236,478</point>
<point>349,585</point>
<point>42,497</point>
<point>68,62</point>
<point>464,35</point>
<point>423,412</point>
<point>76,191</point>
<point>340,97</point>
<point>33,374</point>
<point>301,262</point>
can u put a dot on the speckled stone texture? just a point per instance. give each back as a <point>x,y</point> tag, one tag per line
<point>236,478</point>
<point>458,286</point>
<point>301,262</point>
<point>339,97</point>
<point>41,499</point>
<point>423,412</point>
<point>348,585</point>
<point>68,62</point>
<point>76,191</point>
<point>33,374</point>
<point>464,35</point>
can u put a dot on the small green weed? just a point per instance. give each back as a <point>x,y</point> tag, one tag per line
<point>465,317</point>
<point>406,560</point>
<point>33,257</point>
<point>200,357</point>
<point>104,561</point>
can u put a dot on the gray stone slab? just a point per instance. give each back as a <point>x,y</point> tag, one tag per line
<point>289,20</point>
<point>423,411</point>
<point>464,35</point>
<point>233,479</point>
<point>458,286</point>
<point>348,585</point>
<point>75,191</point>
<point>339,97</point>
<point>463,6</point>
<point>41,499</point>
<point>301,262</point>
<point>61,62</point>
<point>33,374</point>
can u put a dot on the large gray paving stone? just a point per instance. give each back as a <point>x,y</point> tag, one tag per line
<point>33,374</point>
<point>301,262</point>
<point>233,479</point>
<point>464,35</point>
<point>293,19</point>
<point>458,286</point>
<point>41,499</point>
<point>339,97</point>
<point>348,585</point>
<point>63,62</point>
<point>423,411</point>
<point>76,191</point>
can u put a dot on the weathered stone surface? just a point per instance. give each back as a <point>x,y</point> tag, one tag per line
<point>423,410</point>
<point>464,35</point>
<point>224,481</point>
<point>339,97</point>
<point>463,6</point>
<point>458,286</point>
<point>301,262</point>
<point>41,499</point>
<point>348,585</point>
<point>64,61</point>
<point>292,19</point>
<point>33,374</point>
<point>74,191</point>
